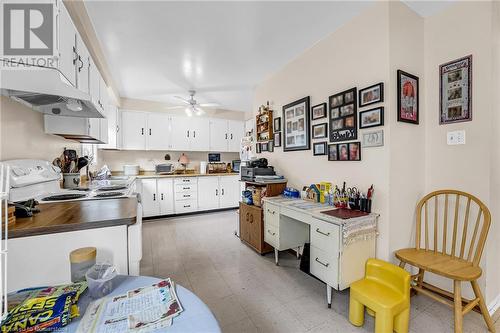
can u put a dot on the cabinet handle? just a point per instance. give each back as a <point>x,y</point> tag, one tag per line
<point>154,197</point>
<point>251,218</point>
<point>247,217</point>
<point>76,56</point>
<point>194,134</point>
<point>142,131</point>
<point>222,191</point>
<point>185,180</point>
<point>150,131</point>
<point>231,136</point>
<point>186,195</point>
<point>320,232</point>
<point>186,188</point>
<point>226,136</point>
<point>117,128</point>
<point>272,233</point>
<point>81,62</point>
<point>188,134</point>
<point>326,265</point>
<point>162,196</point>
<point>187,206</point>
<point>216,191</point>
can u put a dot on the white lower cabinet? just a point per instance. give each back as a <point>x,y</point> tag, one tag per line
<point>178,195</point>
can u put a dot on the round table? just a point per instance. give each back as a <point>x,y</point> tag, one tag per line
<point>196,316</point>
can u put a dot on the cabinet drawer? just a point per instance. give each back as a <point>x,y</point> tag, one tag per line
<point>324,266</point>
<point>186,187</point>
<point>271,215</point>
<point>271,235</point>
<point>185,206</point>
<point>186,196</point>
<point>325,236</point>
<point>185,180</point>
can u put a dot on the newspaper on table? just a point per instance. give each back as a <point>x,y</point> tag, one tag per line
<point>140,310</point>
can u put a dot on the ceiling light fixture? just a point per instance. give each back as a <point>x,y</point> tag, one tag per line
<point>189,111</point>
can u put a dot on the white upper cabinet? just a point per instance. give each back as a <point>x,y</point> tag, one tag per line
<point>180,133</point>
<point>82,66</point>
<point>133,130</point>
<point>94,82</point>
<point>112,127</point>
<point>200,135</point>
<point>236,131</point>
<point>218,135</point>
<point>158,131</point>
<point>67,46</point>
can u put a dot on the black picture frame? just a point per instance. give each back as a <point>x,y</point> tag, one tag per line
<point>318,106</point>
<point>403,115</point>
<point>264,146</point>
<point>302,135</point>
<point>270,146</point>
<point>380,99</point>
<point>277,139</point>
<point>381,117</point>
<point>358,151</point>
<point>344,151</point>
<point>318,144</point>
<point>277,124</point>
<point>257,148</point>
<point>343,116</point>
<point>325,131</point>
<point>459,66</point>
<point>333,152</point>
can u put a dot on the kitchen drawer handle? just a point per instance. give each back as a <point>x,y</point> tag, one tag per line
<point>186,195</point>
<point>272,233</point>
<point>185,180</point>
<point>320,232</point>
<point>187,206</point>
<point>162,196</point>
<point>326,265</point>
<point>186,188</point>
<point>154,197</point>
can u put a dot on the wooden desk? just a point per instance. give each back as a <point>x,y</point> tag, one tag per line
<point>339,248</point>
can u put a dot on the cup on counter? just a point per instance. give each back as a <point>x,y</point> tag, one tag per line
<point>71,180</point>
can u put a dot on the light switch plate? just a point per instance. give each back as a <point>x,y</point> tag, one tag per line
<point>455,137</point>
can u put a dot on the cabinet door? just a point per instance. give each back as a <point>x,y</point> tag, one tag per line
<point>255,229</point>
<point>158,133</point>
<point>93,82</point>
<point>181,132</point>
<point>82,65</point>
<point>166,195</point>
<point>150,203</point>
<point>235,133</point>
<point>103,92</point>
<point>244,218</point>
<point>94,129</point>
<point>208,193</point>
<point>219,135</point>
<point>111,128</point>
<point>229,191</point>
<point>133,130</point>
<point>67,46</point>
<point>200,137</point>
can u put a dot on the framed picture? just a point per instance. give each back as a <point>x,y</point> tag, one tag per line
<point>264,146</point>
<point>354,151</point>
<point>343,151</point>
<point>343,116</point>
<point>319,148</point>
<point>258,148</point>
<point>407,97</point>
<point>373,139</point>
<point>270,146</point>
<point>333,153</point>
<point>371,118</point>
<point>297,134</point>
<point>319,131</point>
<point>371,95</point>
<point>277,124</point>
<point>318,111</point>
<point>277,139</point>
<point>455,87</point>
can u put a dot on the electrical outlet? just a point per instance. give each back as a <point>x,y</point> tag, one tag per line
<point>455,137</point>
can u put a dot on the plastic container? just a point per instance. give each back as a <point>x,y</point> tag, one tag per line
<point>81,260</point>
<point>131,169</point>
<point>101,280</point>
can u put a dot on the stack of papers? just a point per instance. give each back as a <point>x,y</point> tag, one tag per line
<point>140,310</point>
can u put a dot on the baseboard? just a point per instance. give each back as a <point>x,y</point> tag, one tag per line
<point>494,305</point>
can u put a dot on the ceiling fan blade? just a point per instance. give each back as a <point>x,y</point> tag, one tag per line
<point>174,107</point>
<point>182,99</point>
<point>209,105</point>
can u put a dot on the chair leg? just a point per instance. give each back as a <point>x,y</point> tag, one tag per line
<point>402,264</point>
<point>458,305</point>
<point>482,306</point>
<point>402,321</point>
<point>356,312</point>
<point>384,322</point>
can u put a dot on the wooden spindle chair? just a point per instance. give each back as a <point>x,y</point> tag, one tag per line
<point>458,262</point>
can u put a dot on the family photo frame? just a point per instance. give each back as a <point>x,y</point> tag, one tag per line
<point>371,95</point>
<point>296,125</point>
<point>343,116</point>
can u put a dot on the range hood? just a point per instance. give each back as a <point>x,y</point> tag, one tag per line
<point>46,90</point>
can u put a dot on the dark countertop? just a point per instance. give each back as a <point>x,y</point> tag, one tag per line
<point>76,215</point>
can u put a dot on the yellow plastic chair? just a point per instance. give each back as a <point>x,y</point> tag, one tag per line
<point>385,291</point>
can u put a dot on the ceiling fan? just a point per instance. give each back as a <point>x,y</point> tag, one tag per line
<point>192,106</point>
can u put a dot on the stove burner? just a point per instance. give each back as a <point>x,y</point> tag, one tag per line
<point>108,194</point>
<point>112,188</point>
<point>64,197</point>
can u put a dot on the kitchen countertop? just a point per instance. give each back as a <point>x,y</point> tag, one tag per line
<point>76,215</point>
<point>152,174</point>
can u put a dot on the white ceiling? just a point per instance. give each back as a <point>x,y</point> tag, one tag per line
<point>159,49</point>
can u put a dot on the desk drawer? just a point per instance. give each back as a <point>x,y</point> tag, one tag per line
<point>271,215</point>
<point>186,206</point>
<point>324,266</point>
<point>325,236</point>
<point>185,180</point>
<point>186,188</point>
<point>271,235</point>
<point>185,196</point>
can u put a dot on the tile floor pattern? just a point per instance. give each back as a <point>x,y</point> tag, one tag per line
<point>248,293</point>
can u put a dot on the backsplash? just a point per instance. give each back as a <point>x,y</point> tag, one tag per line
<point>115,159</point>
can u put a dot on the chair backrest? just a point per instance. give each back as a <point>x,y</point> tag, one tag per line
<point>389,275</point>
<point>449,229</point>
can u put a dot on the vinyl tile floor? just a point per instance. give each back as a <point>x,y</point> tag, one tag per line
<point>248,293</point>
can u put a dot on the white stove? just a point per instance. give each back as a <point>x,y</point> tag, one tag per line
<point>40,180</point>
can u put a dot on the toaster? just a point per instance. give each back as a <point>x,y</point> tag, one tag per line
<point>164,168</point>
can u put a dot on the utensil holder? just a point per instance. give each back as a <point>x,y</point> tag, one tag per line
<point>71,180</point>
